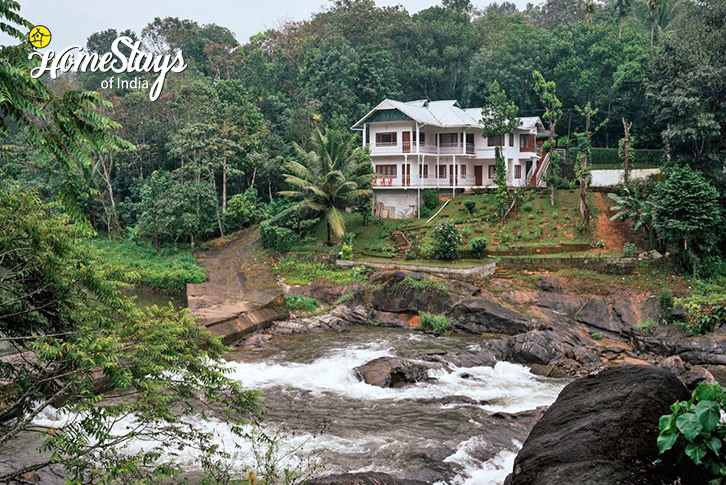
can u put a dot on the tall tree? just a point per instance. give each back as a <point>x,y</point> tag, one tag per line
<point>330,177</point>
<point>499,117</point>
<point>547,92</point>
<point>582,168</point>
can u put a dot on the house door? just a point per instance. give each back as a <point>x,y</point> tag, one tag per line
<point>478,175</point>
<point>407,175</point>
<point>406,138</point>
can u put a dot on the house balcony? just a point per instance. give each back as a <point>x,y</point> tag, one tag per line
<point>465,182</point>
<point>410,147</point>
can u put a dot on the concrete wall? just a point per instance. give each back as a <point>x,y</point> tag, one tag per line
<point>395,203</point>
<point>612,178</point>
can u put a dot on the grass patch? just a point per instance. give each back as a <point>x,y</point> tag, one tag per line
<point>301,303</point>
<point>169,270</point>
<point>426,284</point>
<point>297,272</point>
<point>439,324</point>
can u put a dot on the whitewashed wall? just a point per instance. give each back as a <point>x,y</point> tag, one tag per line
<point>611,178</point>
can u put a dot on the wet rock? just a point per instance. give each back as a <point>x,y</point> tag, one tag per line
<point>602,430</point>
<point>697,375</point>
<point>479,315</point>
<point>481,358</point>
<point>367,478</point>
<point>322,290</point>
<point>391,372</point>
<point>535,347</point>
<point>547,370</point>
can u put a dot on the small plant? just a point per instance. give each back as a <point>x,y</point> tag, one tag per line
<point>409,255</point>
<point>647,325</point>
<point>346,252</point>
<point>299,302</point>
<point>479,246</point>
<point>470,206</point>
<point>629,250</point>
<point>425,284</point>
<point>430,198</point>
<point>448,239</point>
<point>466,232</point>
<point>425,212</point>
<point>344,298</point>
<point>600,244</point>
<point>527,207</point>
<point>701,319</point>
<point>596,336</point>
<point>438,324</point>
<point>697,424</point>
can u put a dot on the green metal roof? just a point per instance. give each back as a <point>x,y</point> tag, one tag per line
<point>387,115</point>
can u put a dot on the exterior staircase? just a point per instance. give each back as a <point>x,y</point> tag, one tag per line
<point>401,242</point>
<point>539,171</point>
<point>502,273</point>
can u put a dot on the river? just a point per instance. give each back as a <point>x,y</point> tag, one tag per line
<point>445,430</point>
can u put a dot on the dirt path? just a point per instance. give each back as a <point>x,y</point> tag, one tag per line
<point>613,233</point>
<point>241,294</point>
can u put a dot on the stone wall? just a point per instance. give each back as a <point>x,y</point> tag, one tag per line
<point>611,265</point>
<point>475,274</point>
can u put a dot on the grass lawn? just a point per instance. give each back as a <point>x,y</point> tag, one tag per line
<point>169,270</point>
<point>536,224</point>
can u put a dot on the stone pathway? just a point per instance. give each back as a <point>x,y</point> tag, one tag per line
<point>241,294</point>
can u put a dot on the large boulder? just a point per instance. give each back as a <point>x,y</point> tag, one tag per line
<point>479,315</point>
<point>602,430</point>
<point>367,478</point>
<point>392,293</point>
<point>391,372</point>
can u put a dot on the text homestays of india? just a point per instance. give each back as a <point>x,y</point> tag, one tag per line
<point>74,59</point>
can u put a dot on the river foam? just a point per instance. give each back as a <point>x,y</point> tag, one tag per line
<point>505,387</point>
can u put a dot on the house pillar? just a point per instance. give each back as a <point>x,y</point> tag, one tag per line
<point>418,140</point>
<point>438,180</point>
<point>364,135</point>
<point>404,169</point>
<point>456,176</point>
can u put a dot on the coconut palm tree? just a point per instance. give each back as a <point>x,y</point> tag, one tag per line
<point>655,9</point>
<point>330,177</point>
<point>623,9</point>
<point>589,7</point>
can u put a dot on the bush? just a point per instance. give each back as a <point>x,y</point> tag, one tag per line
<point>428,251</point>
<point>409,255</point>
<point>296,272</point>
<point>596,336</point>
<point>439,324</point>
<point>701,319</point>
<point>278,238</point>
<point>282,232</point>
<point>479,246</point>
<point>424,284</point>
<point>470,206</point>
<point>243,209</point>
<point>425,212</point>
<point>527,207</point>
<point>346,252</point>
<point>665,303</point>
<point>430,198</point>
<point>447,238</point>
<point>696,424</point>
<point>629,250</point>
<point>299,302</point>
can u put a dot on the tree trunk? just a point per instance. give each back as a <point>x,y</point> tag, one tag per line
<point>550,178</point>
<point>584,208</point>
<point>224,186</point>
<point>330,241</point>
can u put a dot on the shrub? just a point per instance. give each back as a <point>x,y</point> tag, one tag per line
<point>346,252</point>
<point>665,303</point>
<point>439,324</point>
<point>299,302</point>
<point>596,336</point>
<point>479,246</point>
<point>447,238</point>
<point>425,284</point>
<point>470,206</point>
<point>704,318</point>
<point>243,209</point>
<point>428,251</point>
<point>629,250</point>
<point>409,255</point>
<point>278,238</point>
<point>425,212</point>
<point>696,424</point>
<point>430,198</point>
<point>527,207</point>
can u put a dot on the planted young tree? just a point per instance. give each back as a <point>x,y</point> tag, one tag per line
<point>547,92</point>
<point>448,239</point>
<point>582,167</point>
<point>624,149</point>
<point>329,178</point>
<point>499,117</point>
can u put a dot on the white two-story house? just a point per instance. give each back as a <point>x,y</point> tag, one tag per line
<point>425,144</point>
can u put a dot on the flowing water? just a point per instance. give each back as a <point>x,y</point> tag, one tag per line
<point>443,431</point>
<point>440,430</point>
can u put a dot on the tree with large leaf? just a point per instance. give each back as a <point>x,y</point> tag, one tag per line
<point>329,178</point>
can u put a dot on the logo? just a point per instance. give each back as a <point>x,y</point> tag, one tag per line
<point>39,36</point>
<point>126,56</point>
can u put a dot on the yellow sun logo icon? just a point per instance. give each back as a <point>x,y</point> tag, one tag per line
<point>39,36</point>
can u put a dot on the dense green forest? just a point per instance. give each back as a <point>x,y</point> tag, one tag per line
<point>204,159</point>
